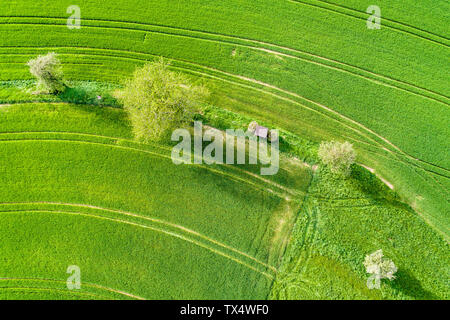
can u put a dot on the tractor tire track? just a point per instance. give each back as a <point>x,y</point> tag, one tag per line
<point>115,140</point>
<point>387,19</point>
<point>85,284</point>
<point>404,30</point>
<point>283,98</point>
<point>160,230</point>
<point>153,220</point>
<point>219,172</point>
<point>307,57</point>
<point>54,289</point>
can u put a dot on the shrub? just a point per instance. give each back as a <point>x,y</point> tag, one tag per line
<point>158,100</point>
<point>337,156</point>
<point>379,266</point>
<point>48,72</point>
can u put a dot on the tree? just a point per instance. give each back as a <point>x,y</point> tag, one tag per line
<point>338,156</point>
<point>48,72</point>
<point>380,267</point>
<point>158,101</point>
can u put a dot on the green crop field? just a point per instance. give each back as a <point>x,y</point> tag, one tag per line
<point>77,189</point>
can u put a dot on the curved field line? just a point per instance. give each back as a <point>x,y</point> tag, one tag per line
<point>379,79</point>
<point>169,233</point>
<point>279,53</point>
<point>219,172</point>
<point>339,115</point>
<point>275,95</point>
<point>410,163</point>
<point>235,168</point>
<point>397,151</point>
<point>429,172</point>
<point>321,106</point>
<point>84,284</point>
<point>308,239</point>
<point>54,289</point>
<point>364,18</point>
<point>155,220</point>
<point>262,91</point>
<point>402,161</point>
<point>387,19</point>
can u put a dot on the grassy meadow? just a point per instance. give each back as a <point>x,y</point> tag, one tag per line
<point>80,168</point>
<point>73,178</point>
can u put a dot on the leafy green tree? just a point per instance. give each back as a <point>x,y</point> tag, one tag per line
<point>380,267</point>
<point>337,156</point>
<point>158,101</point>
<point>48,72</point>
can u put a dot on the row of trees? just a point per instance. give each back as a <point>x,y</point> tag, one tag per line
<point>158,100</point>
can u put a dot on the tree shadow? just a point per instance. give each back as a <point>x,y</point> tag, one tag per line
<point>370,184</point>
<point>88,96</point>
<point>86,99</point>
<point>410,286</point>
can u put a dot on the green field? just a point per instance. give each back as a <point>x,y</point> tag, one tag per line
<point>125,214</point>
<point>76,189</point>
